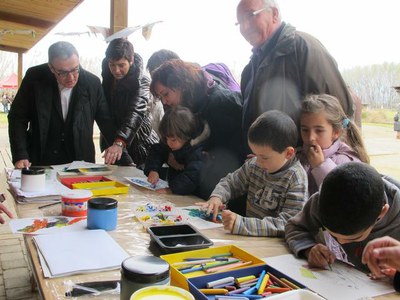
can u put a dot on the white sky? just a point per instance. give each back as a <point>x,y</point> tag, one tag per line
<point>355,32</point>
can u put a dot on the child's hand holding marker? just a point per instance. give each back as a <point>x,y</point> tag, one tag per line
<point>321,257</point>
<point>153,178</point>
<point>214,205</point>
<point>228,219</point>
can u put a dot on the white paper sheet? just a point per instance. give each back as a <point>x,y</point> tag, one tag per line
<point>80,252</point>
<point>343,282</point>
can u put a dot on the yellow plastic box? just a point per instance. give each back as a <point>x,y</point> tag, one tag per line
<point>103,188</point>
<point>180,280</point>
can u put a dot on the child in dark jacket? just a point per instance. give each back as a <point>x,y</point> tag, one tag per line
<point>181,149</point>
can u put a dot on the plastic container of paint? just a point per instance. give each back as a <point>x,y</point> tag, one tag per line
<point>102,213</point>
<point>162,292</point>
<point>74,203</point>
<point>33,179</point>
<point>138,272</point>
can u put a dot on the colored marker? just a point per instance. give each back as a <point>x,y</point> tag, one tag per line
<point>214,291</point>
<point>224,280</point>
<point>260,279</point>
<point>263,284</point>
<point>291,284</point>
<point>276,280</point>
<point>244,278</point>
<point>249,296</point>
<point>227,267</point>
<point>277,290</point>
<point>192,270</point>
<point>250,291</point>
<point>238,291</point>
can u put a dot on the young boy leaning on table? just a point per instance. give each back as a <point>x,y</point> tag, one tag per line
<point>274,180</point>
<point>354,206</point>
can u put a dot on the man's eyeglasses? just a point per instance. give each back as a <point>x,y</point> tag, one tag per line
<point>248,16</point>
<point>64,74</point>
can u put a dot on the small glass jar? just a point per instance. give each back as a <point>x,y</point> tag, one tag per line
<point>142,271</point>
<point>102,213</point>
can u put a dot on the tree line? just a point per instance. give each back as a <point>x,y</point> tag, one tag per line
<point>375,84</point>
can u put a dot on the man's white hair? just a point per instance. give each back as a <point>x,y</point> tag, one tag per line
<point>272,3</point>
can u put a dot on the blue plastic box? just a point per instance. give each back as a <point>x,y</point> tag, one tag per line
<point>200,282</point>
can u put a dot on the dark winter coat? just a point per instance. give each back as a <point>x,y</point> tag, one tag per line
<point>289,66</point>
<point>128,99</point>
<point>181,182</point>
<point>37,105</point>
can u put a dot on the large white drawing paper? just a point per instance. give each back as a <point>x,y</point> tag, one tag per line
<point>80,252</point>
<point>344,282</point>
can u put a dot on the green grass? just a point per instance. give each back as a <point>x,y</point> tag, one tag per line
<point>3,120</point>
<point>378,116</point>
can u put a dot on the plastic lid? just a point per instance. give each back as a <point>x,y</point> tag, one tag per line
<point>102,203</point>
<point>162,293</point>
<point>33,171</point>
<point>145,269</point>
<point>77,194</point>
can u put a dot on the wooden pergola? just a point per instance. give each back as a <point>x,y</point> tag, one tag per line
<point>23,23</point>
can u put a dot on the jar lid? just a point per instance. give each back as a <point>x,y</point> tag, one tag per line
<point>33,171</point>
<point>77,194</point>
<point>102,203</point>
<point>145,269</point>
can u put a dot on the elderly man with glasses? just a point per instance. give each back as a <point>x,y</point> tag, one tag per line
<point>285,66</point>
<point>52,116</point>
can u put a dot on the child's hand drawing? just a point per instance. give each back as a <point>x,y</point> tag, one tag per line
<point>153,177</point>
<point>228,219</point>
<point>320,256</point>
<point>214,204</point>
<point>382,256</point>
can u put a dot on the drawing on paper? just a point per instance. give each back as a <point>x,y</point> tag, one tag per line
<point>202,214</point>
<point>151,214</point>
<point>44,223</point>
<point>161,184</point>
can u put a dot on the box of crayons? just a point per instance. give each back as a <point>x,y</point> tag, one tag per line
<point>201,262</point>
<point>251,283</point>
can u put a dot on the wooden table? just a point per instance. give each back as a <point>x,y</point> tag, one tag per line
<point>131,235</point>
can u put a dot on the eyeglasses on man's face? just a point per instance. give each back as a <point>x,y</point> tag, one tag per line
<point>249,16</point>
<point>65,74</point>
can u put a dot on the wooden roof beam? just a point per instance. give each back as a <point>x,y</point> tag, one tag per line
<point>13,49</point>
<point>26,20</point>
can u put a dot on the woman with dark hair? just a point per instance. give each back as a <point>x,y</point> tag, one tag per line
<point>127,92</point>
<point>177,82</point>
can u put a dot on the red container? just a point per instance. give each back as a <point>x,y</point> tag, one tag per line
<point>74,203</point>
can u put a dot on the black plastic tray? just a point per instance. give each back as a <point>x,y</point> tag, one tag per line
<point>176,238</point>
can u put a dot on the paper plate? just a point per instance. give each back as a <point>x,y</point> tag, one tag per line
<point>298,295</point>
<point>162,293</point>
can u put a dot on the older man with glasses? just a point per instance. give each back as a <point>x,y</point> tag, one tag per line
<point>285,66</point>
<point>52,116</point>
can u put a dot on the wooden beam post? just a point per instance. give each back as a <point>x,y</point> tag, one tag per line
<point>20,67</point>
<point>118,15</point>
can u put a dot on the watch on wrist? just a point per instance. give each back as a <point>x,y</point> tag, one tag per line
<point>119,144</point>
